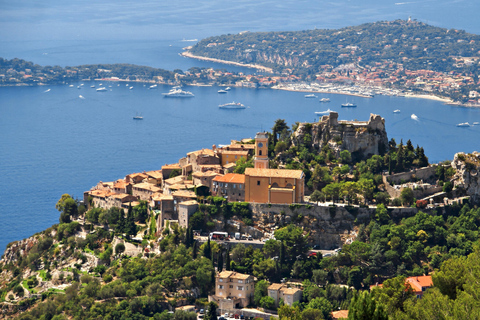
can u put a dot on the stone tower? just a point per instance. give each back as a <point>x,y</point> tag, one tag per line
<point>261,151</point>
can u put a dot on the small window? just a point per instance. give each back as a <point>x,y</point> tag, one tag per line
<point>259,152</point>
<point>258,182</point>
<point>231,287</point>
<point>234,185</point>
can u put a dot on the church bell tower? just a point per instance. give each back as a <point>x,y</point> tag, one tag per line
<point>261,151</point>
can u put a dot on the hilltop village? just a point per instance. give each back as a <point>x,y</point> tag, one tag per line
<point>307,221</point>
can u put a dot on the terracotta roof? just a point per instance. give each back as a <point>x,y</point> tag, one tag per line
<point>417,283</point>
<point>156,174</point>
<point>138,174</point>
<point>171,166</point>
<point>242,153</point>
<point>120,184</point>
<point>274,173</point>
<point>233,275</point>
<point>174,180</point>
<point>184,194</point>
<point>231,178</point>
<point>202,152</point>
<point>100,193</point>
<point>275,286</point>
<point>147,186</point>
<point>209,173</point>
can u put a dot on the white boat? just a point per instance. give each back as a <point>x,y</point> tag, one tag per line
<point>349,105</point>
<point>414,117</point>
<point>324,112</point>
<point>228,88</point>
<point>138,117</point>
<point>48,90</point>
<point>81,97</point>
<point>325,100</point>
<point>310,96</point>
<point>475,123</point>
<point>222,91</point>
<point>130,88</point>
<point>154,86</point>
<point>178,93</point>
<point>464,124</point>
<point>70,86</point>
<point>102,89</point>
<point>93,86</point>
<point>232,105</point>
<point>396,111</point>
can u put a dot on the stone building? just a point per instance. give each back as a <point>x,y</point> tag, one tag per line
<point>274,185</point>
<point>230,186</point>
<point>185,210</point>
<point>233,290</point>
<point>279,291</point>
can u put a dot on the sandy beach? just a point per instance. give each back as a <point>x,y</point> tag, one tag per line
<point>430,97</point>
<point>187,54</point>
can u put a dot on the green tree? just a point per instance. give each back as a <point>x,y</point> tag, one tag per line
<point>261,290</point>
<point>323,305</point>
<point>407,196</point>
<point>211,311</point>
<point>364,307</point>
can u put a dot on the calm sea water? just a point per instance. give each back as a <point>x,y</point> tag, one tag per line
<point>55,142</point>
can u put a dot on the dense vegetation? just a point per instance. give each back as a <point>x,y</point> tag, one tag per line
<point>413,44</point>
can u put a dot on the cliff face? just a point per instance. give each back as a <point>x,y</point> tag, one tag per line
<point>361,138</point>
<point>467,177</point>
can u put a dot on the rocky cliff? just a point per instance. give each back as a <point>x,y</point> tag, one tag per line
<point>467,177</point>
<point>361,138</point>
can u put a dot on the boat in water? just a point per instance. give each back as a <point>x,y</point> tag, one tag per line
<point>475,123</point>
<point>414,117</point>
<point>228,88</point>
<point>92,86</point>
<point>48,90</point>
<point>325,100</point>
<point>178,93</point>
<point>232,105</point>
<point>463,125</point>
<point>396,111</point>
<point>138,117</point>
<point>349,105</point>
<point>81,97</point>
<point>324,112</point>
<point>310,96</point>
<point>102,89</point>
<point>154,86</point>
<point>222,91</point>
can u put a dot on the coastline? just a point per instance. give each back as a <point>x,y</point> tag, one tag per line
<point>187,54</point>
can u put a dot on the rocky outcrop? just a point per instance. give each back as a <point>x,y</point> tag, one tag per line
<point>361,138</point>
<point>467,177</point>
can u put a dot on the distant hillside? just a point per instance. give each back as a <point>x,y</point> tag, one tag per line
<point>413,44</point>
<point>20,72</point>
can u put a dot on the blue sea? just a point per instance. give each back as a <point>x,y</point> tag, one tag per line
<point>56,142</point>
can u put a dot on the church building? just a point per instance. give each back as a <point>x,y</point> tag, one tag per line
<point>264,185</point>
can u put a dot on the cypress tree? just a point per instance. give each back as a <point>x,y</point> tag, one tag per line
<point>282,254</point>
<point>220,262</point>
<point>207,250</point>
<point>194,250</point>
<point>227,260</point>
<point>130,227</point>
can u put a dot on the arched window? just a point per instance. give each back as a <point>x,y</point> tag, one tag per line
<point>289,185</point>
<point>274,185</point>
